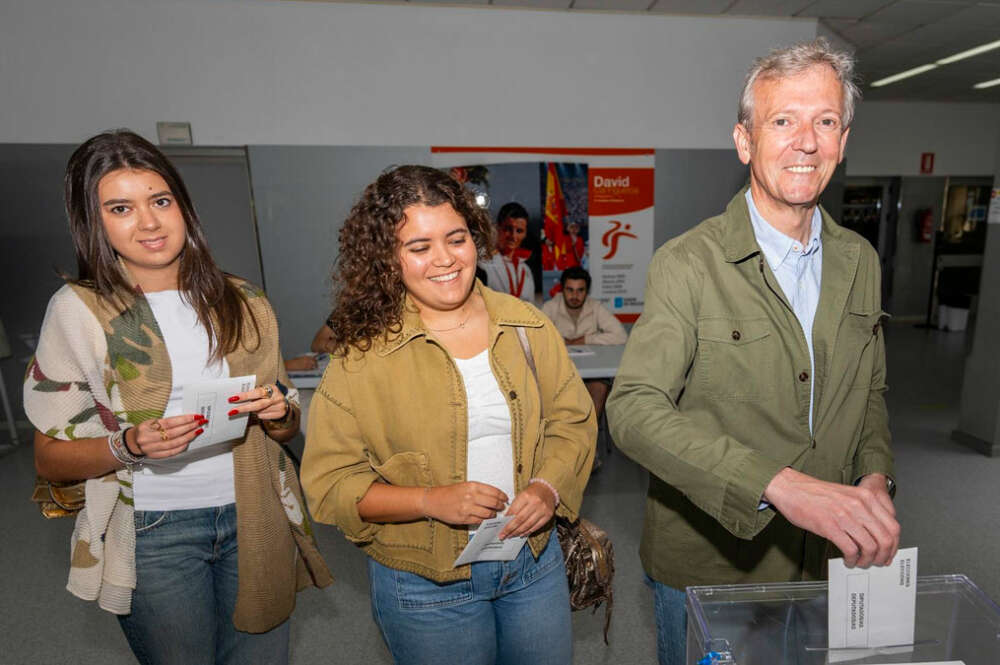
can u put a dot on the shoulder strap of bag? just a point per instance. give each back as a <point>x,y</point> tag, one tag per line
<point>522,337</point>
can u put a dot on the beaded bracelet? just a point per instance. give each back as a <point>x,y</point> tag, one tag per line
<point>116,443</point>
<point>552,489</point>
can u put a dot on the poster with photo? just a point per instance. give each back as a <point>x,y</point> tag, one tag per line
<point>561,207</point>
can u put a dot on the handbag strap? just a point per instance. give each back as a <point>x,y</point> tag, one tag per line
<point>522,337</point>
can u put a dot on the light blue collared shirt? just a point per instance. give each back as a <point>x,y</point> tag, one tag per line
<point>798,270</point>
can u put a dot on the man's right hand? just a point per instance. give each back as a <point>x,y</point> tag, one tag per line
<point>860,521</point>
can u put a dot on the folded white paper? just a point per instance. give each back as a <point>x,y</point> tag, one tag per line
<point>211,400</point>
<point>872,607</point>
<point>579,350</point>
<point>485,546</point>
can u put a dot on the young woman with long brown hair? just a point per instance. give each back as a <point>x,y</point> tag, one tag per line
<point>199,552</point>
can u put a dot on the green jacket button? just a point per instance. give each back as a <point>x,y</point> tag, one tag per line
<point>804,376</point>
<point>736,335</point>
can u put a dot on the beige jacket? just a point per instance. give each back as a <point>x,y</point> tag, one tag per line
<point>397,414</point>
<point>595,324</point>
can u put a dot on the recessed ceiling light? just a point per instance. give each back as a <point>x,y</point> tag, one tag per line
<point>987,84</point>
<point>943,61</point>
<point>903,75</point>
<point>968,54</point>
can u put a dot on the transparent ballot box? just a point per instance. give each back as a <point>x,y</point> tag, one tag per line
<point>786,624</point>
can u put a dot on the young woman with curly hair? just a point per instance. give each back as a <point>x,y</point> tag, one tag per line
<point>430,420</point>
<point>199,549</point>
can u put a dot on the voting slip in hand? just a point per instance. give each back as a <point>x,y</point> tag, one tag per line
<point>872,607</point>
<point>485,546</point>
<point>211,400</point>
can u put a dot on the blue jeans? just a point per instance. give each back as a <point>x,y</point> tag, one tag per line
<point>508,613</point>
<point>671,623</point>
<point>182,607</point>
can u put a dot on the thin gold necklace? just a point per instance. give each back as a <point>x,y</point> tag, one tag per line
<point>459,326</point>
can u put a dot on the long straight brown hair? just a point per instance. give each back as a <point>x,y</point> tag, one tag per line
<point>219,303</point>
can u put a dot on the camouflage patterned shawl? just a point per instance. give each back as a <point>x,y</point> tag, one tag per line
<point>97,369</point>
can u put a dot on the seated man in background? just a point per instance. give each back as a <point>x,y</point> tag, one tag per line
<point>582,320</point>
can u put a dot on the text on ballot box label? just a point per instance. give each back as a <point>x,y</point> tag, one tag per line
<point>857,597</point>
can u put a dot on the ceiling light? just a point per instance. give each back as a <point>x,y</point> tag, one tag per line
<point>968,54</point>
<point>903,75</point>
<point>987,84</point>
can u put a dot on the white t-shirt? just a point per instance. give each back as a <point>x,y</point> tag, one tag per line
<point>490,456</point>
<point>198,479</point>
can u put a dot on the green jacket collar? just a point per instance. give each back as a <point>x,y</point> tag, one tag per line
<point>738,241</point>
<point>503,311</point>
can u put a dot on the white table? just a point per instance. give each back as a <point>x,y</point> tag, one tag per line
<point>597,361</point>
<point>308,379</point>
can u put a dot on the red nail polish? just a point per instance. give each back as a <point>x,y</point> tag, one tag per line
<point>234,398</point>
<point>204,421</point>
<point>198,431</point>
<point>233,412</point>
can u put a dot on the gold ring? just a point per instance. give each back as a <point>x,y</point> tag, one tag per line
<point>269,390</point>
<point>163,435</point>
<point>157,425</point>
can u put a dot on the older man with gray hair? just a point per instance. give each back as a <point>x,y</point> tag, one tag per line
<point>752,385</point>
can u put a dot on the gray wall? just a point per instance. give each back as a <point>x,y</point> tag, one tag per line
<point>979,418</point>
<point>35,242</point>
<point>302,196</point>
<point>693,185</point>
<point>912,277</point>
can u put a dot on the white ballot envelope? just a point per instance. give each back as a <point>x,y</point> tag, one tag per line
<point>211,400</point>
<point>873,607</point>
<point>485,546</point>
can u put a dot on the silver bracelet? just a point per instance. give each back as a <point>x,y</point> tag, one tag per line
<point>116,443</point>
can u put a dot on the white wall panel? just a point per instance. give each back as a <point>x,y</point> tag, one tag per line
<point>264,72</point>
<point>889,137</point>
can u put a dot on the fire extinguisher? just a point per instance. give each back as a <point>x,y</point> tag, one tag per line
<point>925,224</point>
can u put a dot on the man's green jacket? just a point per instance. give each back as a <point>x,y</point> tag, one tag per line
<point>712,397</point>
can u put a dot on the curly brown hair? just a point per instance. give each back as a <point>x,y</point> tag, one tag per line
<point>367,277</point>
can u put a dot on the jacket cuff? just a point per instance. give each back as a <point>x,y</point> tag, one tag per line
<point>741,514</point>
<point>872,463</point>
<point>347,518</point>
